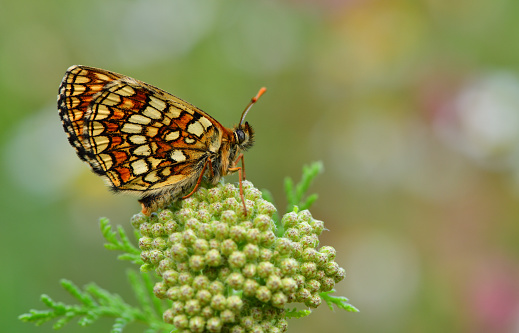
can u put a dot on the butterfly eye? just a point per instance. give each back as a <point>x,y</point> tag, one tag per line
<point>240,136</point>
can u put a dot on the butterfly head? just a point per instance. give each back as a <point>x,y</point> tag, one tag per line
<point>244,136</point>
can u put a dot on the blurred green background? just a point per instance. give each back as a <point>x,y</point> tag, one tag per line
<point>413,107</point>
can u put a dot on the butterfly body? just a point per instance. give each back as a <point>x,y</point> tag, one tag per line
<point>143,140</point>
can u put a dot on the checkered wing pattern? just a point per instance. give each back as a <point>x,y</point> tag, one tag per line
<point>139,138</point>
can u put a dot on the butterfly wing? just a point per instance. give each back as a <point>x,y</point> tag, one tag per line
<point>138,137</point>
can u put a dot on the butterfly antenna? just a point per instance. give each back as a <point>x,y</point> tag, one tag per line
<point>253,100</point>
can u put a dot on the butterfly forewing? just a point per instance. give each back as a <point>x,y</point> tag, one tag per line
<point>140,138</point>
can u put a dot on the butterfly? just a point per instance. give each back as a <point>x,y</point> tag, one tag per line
<point>145,141</point>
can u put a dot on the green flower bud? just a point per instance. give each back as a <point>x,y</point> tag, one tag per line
<point>197,262</point>
<point>228,246</point>
<point>304,216</point>
<point>264,269</point>
<point>145,243</point>
<point>263,294</point>
<point>289,220</point>
<point>145,229</point>
<point>327,284</point>
<point>293,234</point>
<point>207,312</point>
<point>185,278</point>
<point>237,233</point>
<point>177,308</point>
<point>220,230</point>
<point>232,204</point>
<point>234,303</point>
<point>159,289</point>
<point>235,280</point>
<point>257,329</point>
<point>204,296</point>
<point>200,246</point>
<point>218,302</point>
<point>249,287</point>
<point>157,229</point>
<point>170,277</point>
<point>216,287</point>
<point>267,238</point>
<point>314,301</point>
<point>224,273</point>
<point>284,246</point>
<point>180,321</point>
<point>309,254</point>
<point>331,268</point>
<point>168,316</point>
<point>249,271</point>
<point>266,254</point>
<point>251,251</point>
<point>197,324</point>
<point>341,274</point>
<point>213,258</point>
<point>214,195</point>
<point>178,252</point>
<point>265,207</point>
<point>263,222</point>
<point>229,217</point>
<point>282,324</point>
<point>247,322</point>
<point>186,292</point>
<point>288,285</point>
<point>203,215</point>
<point>303,294</point>
<point>273,283</point>
<point>237,259</point>
<point>313,285</point>
<point>159,243</point>
<point>288,266</point>
<point>175,238</point>
<point>192,307</point>
<point>308,269</point>
<point>137,220</point>
<point>173,293</point>
<point>227,316</point>
<point>188,237</point>
<point>253,236</point>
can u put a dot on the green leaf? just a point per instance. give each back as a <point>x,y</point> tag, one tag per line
<point>294,313</point>
<point>339,301</point>
<point>119,241</point>
<point>295,194</point>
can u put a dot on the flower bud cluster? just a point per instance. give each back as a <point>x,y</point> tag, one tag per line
<point>227,271</point>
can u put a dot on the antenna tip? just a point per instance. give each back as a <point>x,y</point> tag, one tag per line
<point>258,95</point>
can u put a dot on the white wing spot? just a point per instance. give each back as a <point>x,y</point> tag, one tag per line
<point>152,113</point>
<point>139,119</point>
<point>205,122</point>
<point>99,143</point>
<point>143,150</point>
<point>139,167</point>
<point>125,90</point>
<point>157,103</point>
<point>171,136</point>
<point>138,139</point>
<point>131,128</point>
<point>178,156</point>
<point>195,129</point>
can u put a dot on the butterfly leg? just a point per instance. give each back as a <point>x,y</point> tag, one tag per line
<point>200,177</point>
<point>240,157</point>
<point>240,175</point>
